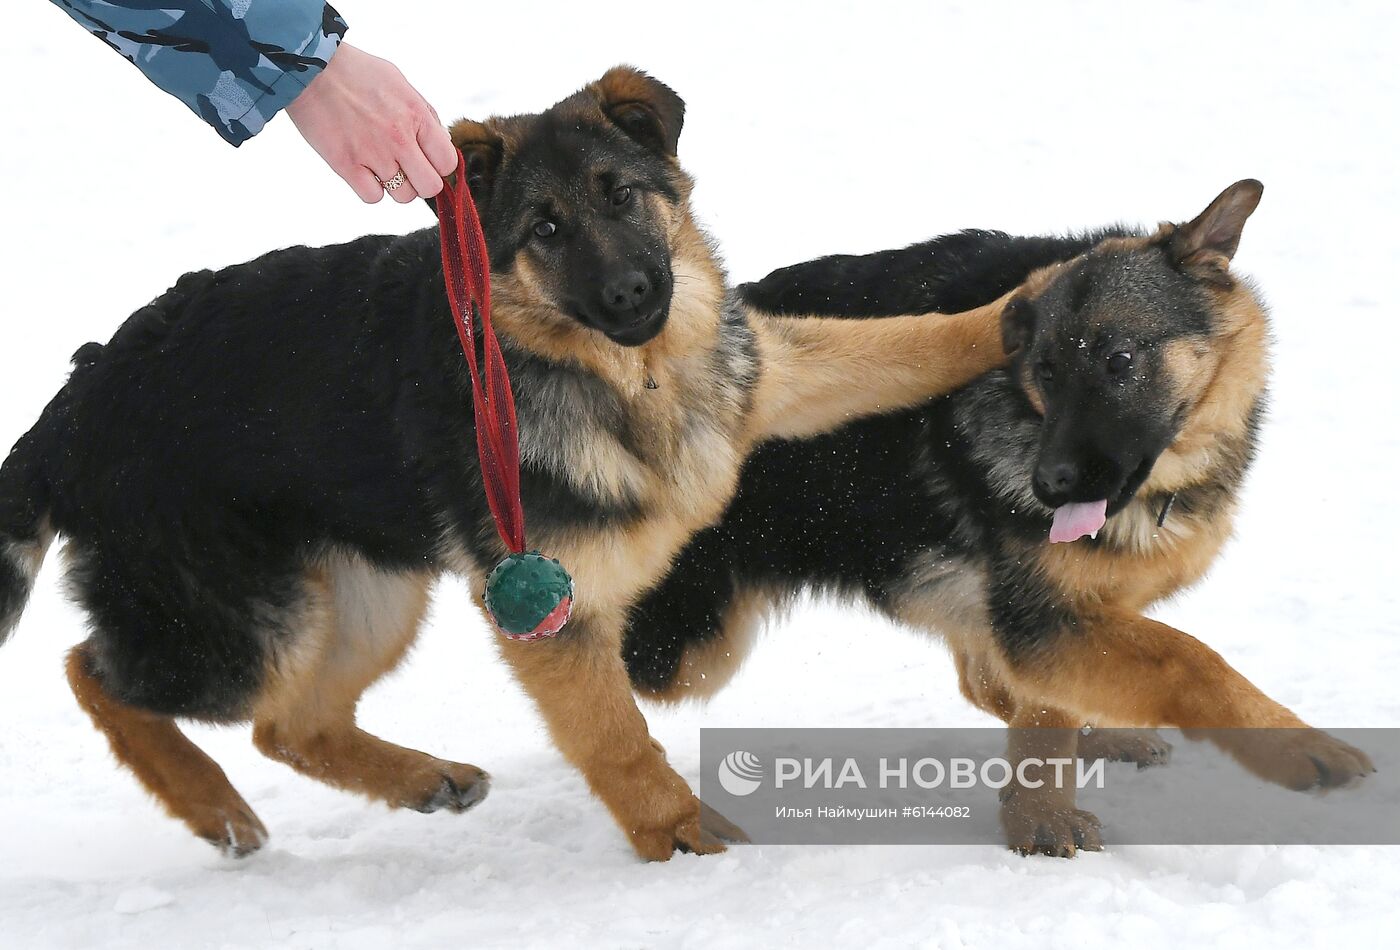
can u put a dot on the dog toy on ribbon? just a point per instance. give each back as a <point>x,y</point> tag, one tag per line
<point>528,595</point>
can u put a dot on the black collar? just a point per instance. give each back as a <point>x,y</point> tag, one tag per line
<point>1166,509</point>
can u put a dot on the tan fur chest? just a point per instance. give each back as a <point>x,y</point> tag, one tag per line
<point>1139,562</point>
<point>615,561</point>
<point>659,462</point>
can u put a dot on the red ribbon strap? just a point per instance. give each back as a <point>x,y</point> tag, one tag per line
<point>467,271</point>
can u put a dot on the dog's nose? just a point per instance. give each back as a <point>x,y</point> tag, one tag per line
<point>1056,479</point>
<point>626,292</point>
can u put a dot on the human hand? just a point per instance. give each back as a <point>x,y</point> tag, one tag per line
<point>361,116</point>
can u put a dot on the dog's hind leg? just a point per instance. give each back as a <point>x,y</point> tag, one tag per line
<point>187,782</point>
<point>361,623</point>
<point>1144,748</point>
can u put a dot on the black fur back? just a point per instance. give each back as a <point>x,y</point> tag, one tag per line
<point>235,427</point>
<point>947,274</point>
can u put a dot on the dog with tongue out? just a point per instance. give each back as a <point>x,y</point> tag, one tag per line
<point>1107,356</point>
<point>1135,391</point>
<point>1100,438</point>
<point>1076,519</point>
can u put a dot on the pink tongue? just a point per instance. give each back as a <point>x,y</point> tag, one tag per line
<point>1074,521</point>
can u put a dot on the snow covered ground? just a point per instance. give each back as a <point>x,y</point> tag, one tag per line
<point>811,129</point>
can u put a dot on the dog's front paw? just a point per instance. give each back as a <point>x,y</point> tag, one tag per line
<point>1300,759</point>
<point>657,809</point>
<point>448,786</point>
<point>687,832</point>
<point>1048,824</point>
<point>232,828</point>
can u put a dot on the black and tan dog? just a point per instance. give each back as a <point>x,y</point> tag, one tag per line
<point>262,474</point>
<point>1123,429</point>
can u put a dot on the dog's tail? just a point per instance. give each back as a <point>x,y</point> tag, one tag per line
<point>25,531</point>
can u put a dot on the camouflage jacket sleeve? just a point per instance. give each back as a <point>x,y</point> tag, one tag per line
<point>236,63</point>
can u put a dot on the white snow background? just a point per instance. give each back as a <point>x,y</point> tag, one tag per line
<point>812,129</point>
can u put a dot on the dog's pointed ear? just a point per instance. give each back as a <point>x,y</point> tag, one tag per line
<point>646,109</point>
<point>483,148</point>
<point>1017,325</point>
<point>1206,245</point>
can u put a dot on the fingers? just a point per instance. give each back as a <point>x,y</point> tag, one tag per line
<point>425,159</point>
<point>362,180</point>
<point>435,141</point>
<point>403,194</point>
<point>437,146</point>
<point>421,174</point>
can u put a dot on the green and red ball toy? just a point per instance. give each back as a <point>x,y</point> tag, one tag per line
<point>529,596</point>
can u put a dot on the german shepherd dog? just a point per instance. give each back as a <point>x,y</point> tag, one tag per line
<point>263,473</point>
<point>1123,429</point>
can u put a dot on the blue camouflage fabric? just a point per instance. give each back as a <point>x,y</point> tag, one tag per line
<point>236,63</point>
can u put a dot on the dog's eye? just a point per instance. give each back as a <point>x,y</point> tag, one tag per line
<point>545,229</point>
<point>1119,363</point>
<point>1046,372</point>
<point>621,195</point>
